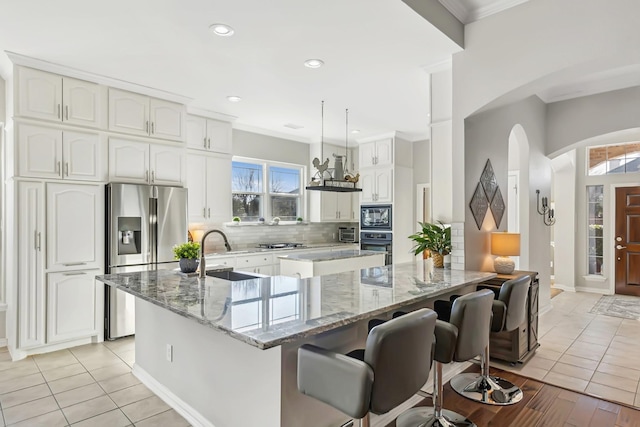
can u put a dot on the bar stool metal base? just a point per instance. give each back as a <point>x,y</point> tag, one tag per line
<point>486,389</point>
<point>425,417</point>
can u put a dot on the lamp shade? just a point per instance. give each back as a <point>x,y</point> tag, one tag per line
<point>505,244</point>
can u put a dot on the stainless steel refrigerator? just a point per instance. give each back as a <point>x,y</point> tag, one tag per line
<point>144,222</point>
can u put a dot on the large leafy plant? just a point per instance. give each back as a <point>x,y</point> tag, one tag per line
<point>433,237</point>
<point>189,250</point>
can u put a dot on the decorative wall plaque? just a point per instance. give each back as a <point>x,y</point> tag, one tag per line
<point>479,205</point>
<point>489,181</point>
<point>497,207</point>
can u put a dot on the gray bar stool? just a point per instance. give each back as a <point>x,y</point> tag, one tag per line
<point>509,312</point>
<point>394,365</point>
<point>463,338</point>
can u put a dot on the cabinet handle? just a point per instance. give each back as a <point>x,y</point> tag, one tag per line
<point>205,142</point>
<point>209,212</point>
<point>152,128</point>
<point>147,126</point>
<point>204,212</point>
<point>70,264</point>
<point>66,168</point>
<point>209,143</point>
<point>59,111</point>
<point>146,175</point>
<point>36,240</point>
<point>74,273</point>
<point>153,176</point>
<point>66,111</point>
<point>58,167</point>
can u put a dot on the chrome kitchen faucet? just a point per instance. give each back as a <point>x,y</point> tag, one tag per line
<point>203,267</point>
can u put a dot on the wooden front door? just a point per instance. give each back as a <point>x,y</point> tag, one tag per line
<point>627,241</point>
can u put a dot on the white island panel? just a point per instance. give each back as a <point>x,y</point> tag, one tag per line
<point>329,262</point>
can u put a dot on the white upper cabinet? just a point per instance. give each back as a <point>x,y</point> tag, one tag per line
<point>376,153</point>
<point>377,185</point>
<point>209,183</point>
<point>74,230</point>
<point>47,96</point>
<point>53,153</point>
<point>137,114</point>
<point>209,135</point>
<point>336,206</point>
<point>144,163</point>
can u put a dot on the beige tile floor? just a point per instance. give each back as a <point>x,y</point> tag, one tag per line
<point>590,353</point>
<point>90,385</point>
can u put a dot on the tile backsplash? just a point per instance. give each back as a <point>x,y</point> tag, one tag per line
<point>248,236</point>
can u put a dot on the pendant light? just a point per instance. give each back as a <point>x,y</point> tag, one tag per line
<point>343,186</point>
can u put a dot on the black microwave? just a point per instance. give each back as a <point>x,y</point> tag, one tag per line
<point>375,217</point>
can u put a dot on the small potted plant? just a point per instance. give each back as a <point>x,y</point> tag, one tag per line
<point>187,253</point>
<point>236,220</point>
<point>261,221</point>
<point>435,238</point>
<point>299,220</point>
<point>275,220</point>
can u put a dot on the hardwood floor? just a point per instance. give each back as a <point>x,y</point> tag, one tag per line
<point>543,405</point>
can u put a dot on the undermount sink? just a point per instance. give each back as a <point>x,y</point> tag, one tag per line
<point>232,276</point>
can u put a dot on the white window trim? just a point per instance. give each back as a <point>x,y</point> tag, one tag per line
<point>266,195</point>
<point>604,263</point>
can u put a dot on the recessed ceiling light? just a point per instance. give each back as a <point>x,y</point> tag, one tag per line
<point>234,98</point>
<point>313,63</point>
<point>355,131</point>
<point>221,30</point>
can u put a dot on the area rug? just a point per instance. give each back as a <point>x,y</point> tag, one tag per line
<point>627,307</point>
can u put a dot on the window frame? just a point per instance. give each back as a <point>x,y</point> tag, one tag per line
<point>588,236</point>
<point>266,194</point>
<point>606,161</point>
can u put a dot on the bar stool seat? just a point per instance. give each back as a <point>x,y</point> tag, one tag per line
<point>395,364</point>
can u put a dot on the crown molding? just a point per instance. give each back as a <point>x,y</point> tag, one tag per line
<point>27,61</point>
<point>261,131</point>
<point>457,9</point>
<point>496,7</point>
<point>196,111</point>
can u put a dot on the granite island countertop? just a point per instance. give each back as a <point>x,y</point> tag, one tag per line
<point>330,255</point>
<point>291,308</point>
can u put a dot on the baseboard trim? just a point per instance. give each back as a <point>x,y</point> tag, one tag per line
<point>565,287</point>
<point>194,417</point>
<point>594,290</point>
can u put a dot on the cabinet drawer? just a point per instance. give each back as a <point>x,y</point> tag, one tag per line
<point>254,260</point>
<point>226,261</point>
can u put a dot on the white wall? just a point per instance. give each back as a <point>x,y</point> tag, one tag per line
<point>442,160</point>
<point>487,137</point>
<point>249,144</point>
<point>564,198</point>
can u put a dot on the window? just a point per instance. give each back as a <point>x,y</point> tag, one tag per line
<point>594,208</point>
<point>614,159</point>
<point>266,189</point>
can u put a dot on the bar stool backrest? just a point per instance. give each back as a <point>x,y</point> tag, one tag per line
<point>513,293</point>
<point>399,351</point>
<point>471,314</point>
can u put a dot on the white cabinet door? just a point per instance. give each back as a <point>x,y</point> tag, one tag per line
<point>344,207</point>
<point>384,152</point>
<point>128,161</point>
<point>197,133</point>
<point>128,112</point>
<point>71,305</point>
<point>367,154</point>
<point>384,185</point>
<point>167,165</point>
<point>329,206</point>
<point>39,94</point>
<point>167,120</point>
<point>83,156</point>
<point>267,270</point>
<point>218,188</point>
<point>74,231</point>
<point>219,136</point>
<point>31,315</point>
<point>39,151</point>
<point>367,181</point>
<point>82,102</point>
<point>197,185</point>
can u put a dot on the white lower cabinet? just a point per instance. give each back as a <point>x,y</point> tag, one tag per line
<point>71,305</point>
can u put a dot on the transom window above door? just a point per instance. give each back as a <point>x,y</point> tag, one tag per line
<point>614,159</point>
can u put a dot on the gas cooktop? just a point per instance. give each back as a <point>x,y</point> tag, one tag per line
<point>280,245</point>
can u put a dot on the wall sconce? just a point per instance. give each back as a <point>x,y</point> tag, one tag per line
<point>548,215</point>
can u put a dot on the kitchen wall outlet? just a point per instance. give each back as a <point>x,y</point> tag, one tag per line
<point>169,353</point>
<point>333,236</point>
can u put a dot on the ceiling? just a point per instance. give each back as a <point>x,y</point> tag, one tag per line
<point>375,54</point>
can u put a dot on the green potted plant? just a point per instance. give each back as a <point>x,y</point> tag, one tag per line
<point>435,238</point>
<point>236,220</point>
<point>299,220</point>
<point>187,253</point>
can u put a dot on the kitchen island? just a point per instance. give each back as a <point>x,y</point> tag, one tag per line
<point>328,262</point>
<point>224,353</point>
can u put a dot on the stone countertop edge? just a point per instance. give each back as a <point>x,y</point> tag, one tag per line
<point>330,256</point>
<point>331,324</point>
<point>253,250</point>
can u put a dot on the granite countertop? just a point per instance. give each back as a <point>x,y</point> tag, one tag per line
<point>252,250</point>
<point>269,311</point>
<point>329,256</point>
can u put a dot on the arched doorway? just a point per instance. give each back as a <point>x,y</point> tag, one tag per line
<point>517,200</point>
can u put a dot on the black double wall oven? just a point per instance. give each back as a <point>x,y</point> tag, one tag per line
<point>375,229</point>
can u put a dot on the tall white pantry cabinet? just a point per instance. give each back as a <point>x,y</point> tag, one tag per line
<point>72,135</point>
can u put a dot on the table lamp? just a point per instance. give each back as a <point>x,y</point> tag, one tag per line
<point>504,245</point>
